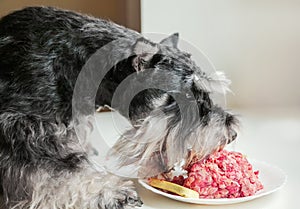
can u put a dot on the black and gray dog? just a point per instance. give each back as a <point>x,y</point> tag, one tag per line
<point>43,164</point>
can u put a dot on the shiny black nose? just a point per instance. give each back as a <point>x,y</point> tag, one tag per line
<point>232,136</point>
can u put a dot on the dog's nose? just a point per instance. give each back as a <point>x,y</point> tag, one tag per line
<point>232,136</point>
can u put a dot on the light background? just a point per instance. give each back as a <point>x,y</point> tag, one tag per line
<point>256,43</point>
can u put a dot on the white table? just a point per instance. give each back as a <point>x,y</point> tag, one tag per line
<point>272,136</point>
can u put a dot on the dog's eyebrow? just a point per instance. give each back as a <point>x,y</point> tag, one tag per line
<point>215,82</point>
<point>143,47</point>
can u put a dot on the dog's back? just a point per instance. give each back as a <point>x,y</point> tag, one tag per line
<point>48,47</point>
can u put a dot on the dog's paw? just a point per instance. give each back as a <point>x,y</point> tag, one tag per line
<point>119,194</point>
<point>130,198</point>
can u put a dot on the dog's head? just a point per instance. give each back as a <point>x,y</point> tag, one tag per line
<point>173,113</point>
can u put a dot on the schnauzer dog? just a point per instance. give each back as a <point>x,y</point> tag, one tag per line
<point>43,162</point>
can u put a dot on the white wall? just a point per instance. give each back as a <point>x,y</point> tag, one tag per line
<point>256,42</point>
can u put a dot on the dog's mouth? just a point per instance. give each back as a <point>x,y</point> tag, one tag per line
<point>158,162</point>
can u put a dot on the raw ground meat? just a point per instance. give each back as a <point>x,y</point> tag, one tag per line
<point>223,175</point>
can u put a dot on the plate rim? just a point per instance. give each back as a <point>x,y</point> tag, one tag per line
<point>223,201</point>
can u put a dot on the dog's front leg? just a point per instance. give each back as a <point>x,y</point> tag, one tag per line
<point>83,189</point>
<point>44,166</point>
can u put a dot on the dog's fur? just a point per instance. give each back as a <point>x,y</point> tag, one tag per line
<point>42,162</point>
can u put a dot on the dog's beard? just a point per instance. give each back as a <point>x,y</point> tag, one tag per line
<point>165,138</point>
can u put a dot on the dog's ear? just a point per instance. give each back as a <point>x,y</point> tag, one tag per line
<point>144,51</point>
<point>171,41</point>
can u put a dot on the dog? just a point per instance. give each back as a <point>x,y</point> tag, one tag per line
<point>43,162</point>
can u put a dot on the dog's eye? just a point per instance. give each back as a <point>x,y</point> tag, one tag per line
<point>155,59</point>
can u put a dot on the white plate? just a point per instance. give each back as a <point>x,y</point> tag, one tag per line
<point>272,178</point>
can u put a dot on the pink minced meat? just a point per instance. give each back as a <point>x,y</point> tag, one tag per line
<point>223,175</point>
